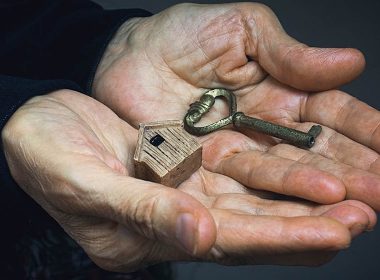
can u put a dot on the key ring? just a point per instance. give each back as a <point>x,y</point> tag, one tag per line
<point>201,107</point>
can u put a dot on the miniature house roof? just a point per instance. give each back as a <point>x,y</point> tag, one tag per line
<point>163,146</point>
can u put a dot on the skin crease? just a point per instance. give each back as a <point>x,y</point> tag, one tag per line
<point>124,223</point>
<point>165,62</point>
<point>168,60</point>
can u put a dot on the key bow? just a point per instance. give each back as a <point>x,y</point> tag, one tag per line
<point>201,107</point>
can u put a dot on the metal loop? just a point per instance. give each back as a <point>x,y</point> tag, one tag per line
<point>199,108</point>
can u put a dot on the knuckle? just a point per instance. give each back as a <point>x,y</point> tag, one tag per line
<point>332,236</point>
<point>177,9</point>
<point>183,6</point>
<point>262,8</point>
<point>339,242</point>
<point>21,123</point>
<point>223,145</point>
<point>143,216</point>
<point>289,55</point>
<point>347,105</point>
<point>15,144</point>
<point>260,12</point>
<point>15,127</point>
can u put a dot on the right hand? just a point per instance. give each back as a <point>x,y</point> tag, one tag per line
<point>73,156</point>
<point>165,62</point>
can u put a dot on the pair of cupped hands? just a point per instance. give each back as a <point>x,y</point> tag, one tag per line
<point>74,155</point>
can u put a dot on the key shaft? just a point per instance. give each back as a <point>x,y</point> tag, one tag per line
<point>293,136</point>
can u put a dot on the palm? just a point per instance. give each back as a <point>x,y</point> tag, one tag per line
<point>159,76</point>
<point>227,199</point>
<point>347,148</point>
<point>123,223</point>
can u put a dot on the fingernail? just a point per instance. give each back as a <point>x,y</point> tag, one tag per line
<point>185,232</point>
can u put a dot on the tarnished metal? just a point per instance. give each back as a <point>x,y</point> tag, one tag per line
<point>201,107</point>
<point>239,119</point>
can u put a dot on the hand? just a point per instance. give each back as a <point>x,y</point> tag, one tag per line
<point>155,67</point>
<point>73,156</point>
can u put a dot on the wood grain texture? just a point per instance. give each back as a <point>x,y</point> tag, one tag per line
<point>170,162</point>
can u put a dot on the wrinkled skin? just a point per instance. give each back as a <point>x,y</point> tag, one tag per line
<point>156,67</point>
<point>73,156</point>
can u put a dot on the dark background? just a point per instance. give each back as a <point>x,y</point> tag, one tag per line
<point>334,23</point>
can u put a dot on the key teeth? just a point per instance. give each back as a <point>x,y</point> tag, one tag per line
<point>315,130</point>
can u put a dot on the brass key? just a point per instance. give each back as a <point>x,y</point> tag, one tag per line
<point>239,119</point>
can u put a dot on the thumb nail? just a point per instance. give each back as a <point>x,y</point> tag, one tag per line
<point>185,232</point>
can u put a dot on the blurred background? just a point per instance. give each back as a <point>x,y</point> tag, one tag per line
<point>324,23</point>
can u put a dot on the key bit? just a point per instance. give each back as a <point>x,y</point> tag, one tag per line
<point>239,119</point>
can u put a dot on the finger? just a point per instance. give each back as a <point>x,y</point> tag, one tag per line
<point>214,185</point>
<point>254,238</point>
<point>362,185</point>
<point>357,216</point>
<point>222,192</point>
<point>152,210</point>
<point>356,220</point>
<point>263,171</point>
<point>295,64</point>
<point>345,114</point>
<point>218,58</point>
<point>359,184</point>
<point>340,148</point>
<point>234,73</point>
<point>232,77</point>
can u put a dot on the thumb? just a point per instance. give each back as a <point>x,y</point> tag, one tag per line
<point>153,210</point>
<point>303,67</point>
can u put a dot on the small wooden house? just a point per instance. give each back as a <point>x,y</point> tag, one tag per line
<point>166,153</point>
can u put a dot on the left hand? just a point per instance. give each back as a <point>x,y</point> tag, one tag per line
<point>73,156</point>
<point>155,67</point>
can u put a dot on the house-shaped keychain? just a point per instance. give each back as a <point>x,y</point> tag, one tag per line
<point>166,153</point>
